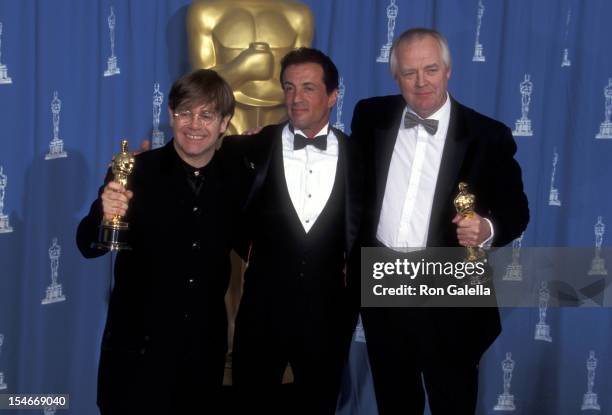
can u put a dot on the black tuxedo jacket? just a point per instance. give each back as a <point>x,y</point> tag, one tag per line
<point>256,153</point>
<point>479,151</point>
<point>267,277</point>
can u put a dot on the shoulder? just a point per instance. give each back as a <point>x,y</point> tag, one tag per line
<point>251,149</point>
<point>378,110</point>
<point>477,121</point>
<point>488,132</point>
<point>244,144</point>
<point>150,158</point>
<point>380,103</point>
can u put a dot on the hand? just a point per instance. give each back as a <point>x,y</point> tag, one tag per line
<point>252,131</point>
<point>471,230</point>
<point>115,200</point>
<point>145,145</point>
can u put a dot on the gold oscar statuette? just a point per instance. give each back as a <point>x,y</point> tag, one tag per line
<point>113,232</point>
<point>464,204</point>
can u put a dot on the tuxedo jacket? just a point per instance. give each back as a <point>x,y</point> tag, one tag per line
<point>166,315</point>
<point>479,151</point>
<point>287,267</point>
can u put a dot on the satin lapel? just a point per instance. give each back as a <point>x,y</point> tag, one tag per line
<point>453,155</point>
<point>352,200</point>
<point>384,142</point>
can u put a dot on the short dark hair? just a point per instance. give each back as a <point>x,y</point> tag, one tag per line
<point>310,55</point>
<point>202,86</point>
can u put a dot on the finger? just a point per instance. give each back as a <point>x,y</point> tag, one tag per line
<point>115,187</point>
<point>108,203</point>
<point>466,234</point>
<point>110,215</point>
<point>469,223</point>
<point>113,208</point>
<point>144,146</point>
<point>112,196</point>
<point>252,131</point>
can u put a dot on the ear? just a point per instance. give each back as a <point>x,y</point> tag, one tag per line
<point>331,98</point>
<point>224,123</point>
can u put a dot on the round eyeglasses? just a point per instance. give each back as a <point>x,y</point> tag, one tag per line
<point>187,117</point>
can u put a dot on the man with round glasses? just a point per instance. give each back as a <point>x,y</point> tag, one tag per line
<point>166,327</point>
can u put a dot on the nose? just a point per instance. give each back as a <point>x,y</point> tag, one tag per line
<point>298,96</point>
<point>420,79</point>
<point>196,121</point>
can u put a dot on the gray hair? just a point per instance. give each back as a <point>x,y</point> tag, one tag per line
<point>417,34</point>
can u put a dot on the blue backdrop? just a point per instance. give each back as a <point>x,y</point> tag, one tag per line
<point>54,153</point>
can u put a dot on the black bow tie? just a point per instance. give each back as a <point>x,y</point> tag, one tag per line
<point>412,120</point>
<point>320,142</point>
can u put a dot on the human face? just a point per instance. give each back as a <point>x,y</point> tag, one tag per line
<point>422,75</point>
<point>306,98</point>
<point>194,141</point>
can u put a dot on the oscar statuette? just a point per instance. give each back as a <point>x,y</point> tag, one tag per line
<point>464,204</point>
<point>113,232</point>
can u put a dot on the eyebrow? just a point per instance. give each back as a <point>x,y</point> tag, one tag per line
<point>307,83</point>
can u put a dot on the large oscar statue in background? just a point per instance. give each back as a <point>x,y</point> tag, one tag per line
<point>244,41</point>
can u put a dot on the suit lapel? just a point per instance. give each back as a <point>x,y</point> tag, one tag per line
<point>352,198</point>
<point>453,155</point>
<point>384,142</point>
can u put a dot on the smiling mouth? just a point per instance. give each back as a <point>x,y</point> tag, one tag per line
<point>195,137</point>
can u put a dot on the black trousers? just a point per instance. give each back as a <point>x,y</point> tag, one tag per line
<point>409,353</point>
<point>132,384</point>
<point>261,355</point>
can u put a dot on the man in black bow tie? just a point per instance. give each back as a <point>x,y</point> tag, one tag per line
<point>417,147</point>
<point>301,222</point>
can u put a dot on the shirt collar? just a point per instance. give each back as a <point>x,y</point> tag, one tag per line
<point>322,131</point>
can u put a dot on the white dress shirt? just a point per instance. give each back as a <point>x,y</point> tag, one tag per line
<point>411,183</point>
<point>310,174</point>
